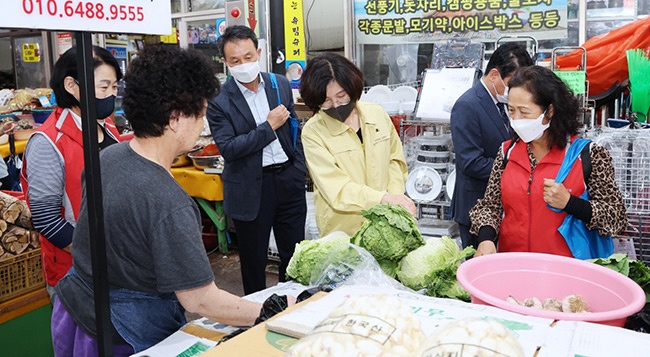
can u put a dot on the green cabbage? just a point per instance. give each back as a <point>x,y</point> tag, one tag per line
<point>389,234</point>
<point>455,291</point>
<point>389,267</point>
<point>433,267</point>
<point>310,255</point>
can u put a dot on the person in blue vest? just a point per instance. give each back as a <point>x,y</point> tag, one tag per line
<point>524,206</point>
<point>253,124</point>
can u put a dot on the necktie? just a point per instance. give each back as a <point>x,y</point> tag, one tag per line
<point>504,116</point>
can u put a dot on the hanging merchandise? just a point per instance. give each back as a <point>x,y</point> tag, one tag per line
<point>606,63</point>
<point>446,85</point>
<point>403,63</point>
<point>639,69</point>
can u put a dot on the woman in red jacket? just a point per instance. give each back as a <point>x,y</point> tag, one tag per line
<point>543,112</point>
<point>53,158</point>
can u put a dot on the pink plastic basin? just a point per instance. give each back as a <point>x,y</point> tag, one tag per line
<point>490,279</point>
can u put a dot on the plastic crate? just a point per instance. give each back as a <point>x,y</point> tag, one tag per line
<point>21,274</point>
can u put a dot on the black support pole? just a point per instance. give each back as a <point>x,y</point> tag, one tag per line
<point>278,53</point>
<point>86,74</point>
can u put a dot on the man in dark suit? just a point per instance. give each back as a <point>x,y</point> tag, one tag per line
<point>479,125</point>
<point>264,172</point>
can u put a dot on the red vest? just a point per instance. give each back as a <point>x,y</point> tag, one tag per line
<point>528,224</point>
<point>66,137</point>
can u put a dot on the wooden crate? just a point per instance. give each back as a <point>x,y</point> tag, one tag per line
<point>21,274</point>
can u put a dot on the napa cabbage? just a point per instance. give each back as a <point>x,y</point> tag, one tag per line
<point>389,233</point>
<point>309,256</point>
<point>433,267</point>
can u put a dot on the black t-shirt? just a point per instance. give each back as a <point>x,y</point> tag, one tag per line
<point>108,140</point>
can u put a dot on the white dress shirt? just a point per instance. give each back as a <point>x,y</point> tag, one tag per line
<point>259,106</point>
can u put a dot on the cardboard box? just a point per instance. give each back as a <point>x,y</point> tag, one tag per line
<point>258,341</point>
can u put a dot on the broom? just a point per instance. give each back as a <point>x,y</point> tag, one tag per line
<point>639,72</point>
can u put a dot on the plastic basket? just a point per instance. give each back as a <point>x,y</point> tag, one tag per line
<point>41,115</point>
<point>21,274</point>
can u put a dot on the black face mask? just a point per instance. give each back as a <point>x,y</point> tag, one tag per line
<point>104,107</point>
<point>341,112</point>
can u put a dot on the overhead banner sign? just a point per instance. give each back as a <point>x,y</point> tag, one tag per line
<point>119,16</point>
<point>387,21</point>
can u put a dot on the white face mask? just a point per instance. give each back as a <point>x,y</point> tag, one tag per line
<point>502,98</point>
<point>245,72</point>
<point>529,129</point>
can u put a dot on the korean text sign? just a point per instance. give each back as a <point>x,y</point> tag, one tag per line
<point>120,16</point>
<point>385,21</point>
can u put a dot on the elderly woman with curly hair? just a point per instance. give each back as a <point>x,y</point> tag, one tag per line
<point>516,207</point>
<point>157,266</point>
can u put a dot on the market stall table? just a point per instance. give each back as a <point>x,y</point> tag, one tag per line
<point>205,188</point>
<point>26,318</point>
<point>539,337</point>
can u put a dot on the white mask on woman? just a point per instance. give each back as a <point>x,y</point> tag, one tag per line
<point>529,129</point>
<point>245,72</point>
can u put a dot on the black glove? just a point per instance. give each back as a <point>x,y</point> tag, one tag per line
<point>306,294</point>
<point>273,305</point>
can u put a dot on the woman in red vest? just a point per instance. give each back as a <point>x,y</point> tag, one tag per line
<point>53,158</point>
<point>543,112</point>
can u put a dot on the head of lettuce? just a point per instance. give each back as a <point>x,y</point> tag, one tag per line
<point>389,233</point>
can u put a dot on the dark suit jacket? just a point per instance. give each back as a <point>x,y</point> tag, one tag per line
<point>477,131</point>
<point>241,140</point>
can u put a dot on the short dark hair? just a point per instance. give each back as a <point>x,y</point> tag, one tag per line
<point>235,33</point>
<point>165,80</point>
<point>66,66</point>
<point>507,58</point>
<point>323,69</point>
<point>546,89</point>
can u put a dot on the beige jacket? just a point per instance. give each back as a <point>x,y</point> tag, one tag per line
<point>349,176</point>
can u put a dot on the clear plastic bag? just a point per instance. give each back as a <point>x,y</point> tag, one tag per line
<point>357,267</point>
<point>371,325</point>
<point>470,337</point>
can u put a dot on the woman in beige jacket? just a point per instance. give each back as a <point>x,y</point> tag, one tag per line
<point>353,152</point>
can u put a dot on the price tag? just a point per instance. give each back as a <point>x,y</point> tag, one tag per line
<point>115,16</point>
<point>625,246</point>
<point>369,327</point>
<point>31,52</point>
<point>44,101</point>
<point>575,80</point>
